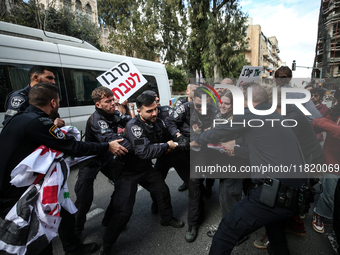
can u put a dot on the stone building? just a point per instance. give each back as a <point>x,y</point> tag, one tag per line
<point>327,55</point>
<point>263,51</point>
<point>88,7</point>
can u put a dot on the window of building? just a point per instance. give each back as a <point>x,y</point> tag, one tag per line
<point>89,12</point>
<point>79,9</point>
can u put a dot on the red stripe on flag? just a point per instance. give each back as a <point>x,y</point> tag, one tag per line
<point>50,195</point>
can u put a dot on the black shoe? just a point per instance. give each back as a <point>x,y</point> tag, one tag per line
<point>174,223</point>
<point>84,249</point>
<point>242,240</point>
<point>191,234</point>
<point>183,187</point>
<point>104,251</point>
<point>211,233</point>
<point>154,208</point>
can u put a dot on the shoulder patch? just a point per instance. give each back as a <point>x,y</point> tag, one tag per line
<point>103,124</point>
<point>137,131</point>
<point>180,109</point>
<point>56,132</point>
<point>16,101</point>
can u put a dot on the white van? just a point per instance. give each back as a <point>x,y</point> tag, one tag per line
<point>75,68</point>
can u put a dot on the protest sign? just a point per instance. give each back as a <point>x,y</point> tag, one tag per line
<point>123,79</point>
<point>249,74</point>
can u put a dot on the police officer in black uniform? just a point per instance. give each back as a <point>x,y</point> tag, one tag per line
<point>176,159</point>
<point>149,138</point>
<point>18,100</point>
<point>269,205</point>
<point>24,133</point>
<point>100,127</point>
<point>186,122</point>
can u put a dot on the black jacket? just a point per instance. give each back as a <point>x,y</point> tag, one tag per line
<point>17,102</point>
<point>24,133</point>
<point>102,127</point>
<point>267,145</point>
<point>148,142</point>
<point>185,116</point>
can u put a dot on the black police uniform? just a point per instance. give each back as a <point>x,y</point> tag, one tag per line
<point>267,146</point>
<point>176,159</point>
<point>148,142</point>
<point>19,138</point>
<point>182,120</point>
<point>100,127</point>
<point>17,102</point>
<point>181,101</point>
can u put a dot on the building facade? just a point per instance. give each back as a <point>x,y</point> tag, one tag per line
<point>263,51</point>
<point>85,7</point>
<point>327,52</point>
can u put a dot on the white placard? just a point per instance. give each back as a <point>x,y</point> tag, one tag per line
<point>249,74</point>
<point>123,79</point>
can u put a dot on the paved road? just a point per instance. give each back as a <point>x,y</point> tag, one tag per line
<point>145,236</point>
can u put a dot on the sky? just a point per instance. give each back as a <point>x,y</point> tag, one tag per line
<point>295,25</point>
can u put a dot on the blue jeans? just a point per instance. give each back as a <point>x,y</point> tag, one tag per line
<point>325,204</point>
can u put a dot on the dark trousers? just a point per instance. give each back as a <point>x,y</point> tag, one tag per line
<point>178,160</point>
<point>124,196</point>
<point>336,213</point>
<point>247,216</point>
<point>88,171</point>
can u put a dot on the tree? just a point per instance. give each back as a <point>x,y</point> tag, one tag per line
<point>112,12</point>
<point>178,76</point>
<point>217,40</point>
<point>198,17</point>
<point>224,55</point>
<point>62,21</point>
<point>136,33</point>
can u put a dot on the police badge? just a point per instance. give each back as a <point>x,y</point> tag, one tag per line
<point>136,131</point>
<point>102,124</point>
<point>17,101</point>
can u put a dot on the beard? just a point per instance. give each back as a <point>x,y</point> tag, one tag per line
<point>54,114</point>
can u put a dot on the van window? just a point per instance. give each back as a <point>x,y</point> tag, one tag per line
<point>80,84</point>
<point>15,76</point>
<point>151,85</point>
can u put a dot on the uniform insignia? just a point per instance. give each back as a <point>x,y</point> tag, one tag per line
<point>103,124</point>
<point>137,131</point>
<point>17,101</point>
<point>46,121</point>
<point>180,109</point>
<point>56,132</point>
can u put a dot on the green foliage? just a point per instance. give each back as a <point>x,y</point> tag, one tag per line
<point>62,21</point>
<point>217,41</point>
<point>226,35</point>
<point>180,83</point>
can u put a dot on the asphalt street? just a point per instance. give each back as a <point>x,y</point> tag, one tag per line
<point>145,236</point>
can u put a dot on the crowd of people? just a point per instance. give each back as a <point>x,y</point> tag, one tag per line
<point>126,144</point>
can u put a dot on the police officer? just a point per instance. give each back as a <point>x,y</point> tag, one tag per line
<point>100,127</point>
<point>149,138</point>
<point>27,131</point>
<point>186,122</point>
<point>18,101</point>
<point>268,146</point>
<point>176,159</point>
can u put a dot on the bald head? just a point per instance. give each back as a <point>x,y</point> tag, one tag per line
<point>227,81</point>
<point>190,91</point>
